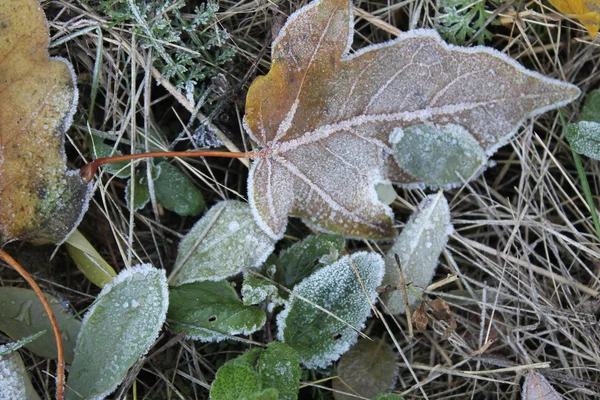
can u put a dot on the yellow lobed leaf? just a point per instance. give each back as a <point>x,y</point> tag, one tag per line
<point>39,200</point>
<point>586,11</point>
<point>323,117</point>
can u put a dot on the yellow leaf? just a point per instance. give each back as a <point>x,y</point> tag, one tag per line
<point>587,12</point>
<point>39,200</point>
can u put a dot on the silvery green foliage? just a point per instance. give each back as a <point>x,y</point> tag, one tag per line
<point>14,381</point>
<point>259,373</point>
<point>211,312</point>
<point>319,337</point>
<point>537,387</point>
<point>584,138</point>
<point>117,330</point>
<point>591,108</point>
<point>141,193</point>
<point>176,192</point>
<point>223,243</point>
<point>437,155</point>
<point>256,290</point>
<point>419,246</point>
<point>22,314</point>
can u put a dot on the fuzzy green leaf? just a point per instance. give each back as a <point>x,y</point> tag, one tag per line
<point>14,381</point>
<point>385,193</point>
<point>391,396</point>
<point>591,108</point>
<point>223,243</point>
<point>302,258</point>
<point>22,315</point>
<point>117,330</point>
<point>584,138</point>
<point>437,155</point>
<point>176,192</point>
<point>256,290</point>
<point>318,337</point>
<point>209,311</point>
<point>271,373</point>
<point>367,369</point>
<point>419,246</point>
<point>141,193</point>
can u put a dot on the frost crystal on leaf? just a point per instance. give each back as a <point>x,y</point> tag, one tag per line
<point>323,117</point>
<point>223,243</point>
<point>419,246</point>
<point>320,337</point>
<point>14,381</point>
<point>131,308</point>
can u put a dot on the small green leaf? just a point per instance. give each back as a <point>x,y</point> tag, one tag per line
<point>88,260</point>
<point>367,369</point>
<point>117,330</point>
<point>141,193</point>
<point>256,290</point>
<point>591,108</point>
<point>302,258</point>
<point>419,246</point>
<point>279,368</point>
<point>208,311</point>
<point>223,243</point>
<point>22,315</point>
<point>271,373</point>
<point>236,379</point>
<point>438,155</point>
<point>176,192</point>
<point>120,169</point>
<point>14,381</point>
<point>14,346</point>
<point>584,138</point>
<point>318,337</point>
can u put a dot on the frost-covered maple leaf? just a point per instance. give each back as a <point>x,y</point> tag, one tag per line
<point>323,116</point>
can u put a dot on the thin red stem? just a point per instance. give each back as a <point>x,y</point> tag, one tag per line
<point>60,374</point>
<point>89,170</point>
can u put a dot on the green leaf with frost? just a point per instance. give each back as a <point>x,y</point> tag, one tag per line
<point>385,192</point>
<point>302,258</point>
<point>368,368</point>
<point>591,108</point>
<point>22,315</point>
<point>438,155</point>
<point>14,346</point>
<point>223,243</point>
<point>211,311</point>
<point>14,381</point>
<point>118,329</point>
<point>176,192</point>
<point>584,138</point>
<point>419,246</point>
<point>271,373</point>
<point>320,337</point>
<point>141,193</point>
<point>100,149</point>
<point>256,290</point>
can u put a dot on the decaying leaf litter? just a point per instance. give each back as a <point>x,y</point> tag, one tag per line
<point>538,209</point>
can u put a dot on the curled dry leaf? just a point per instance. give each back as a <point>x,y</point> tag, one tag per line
<point>40,201</point>
<point>322,117</point>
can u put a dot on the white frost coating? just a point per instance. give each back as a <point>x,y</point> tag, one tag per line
<point>584,138</point>
<point>537,387</point>
<point>138,327</point>
<point>223,243</point>
<point>12,375</point>
<point>84,208</point>
<point>68,118</point>
<point>419,246</point>
<point>320,339</point>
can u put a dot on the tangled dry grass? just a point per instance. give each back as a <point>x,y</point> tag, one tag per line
<point>525,255</point>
